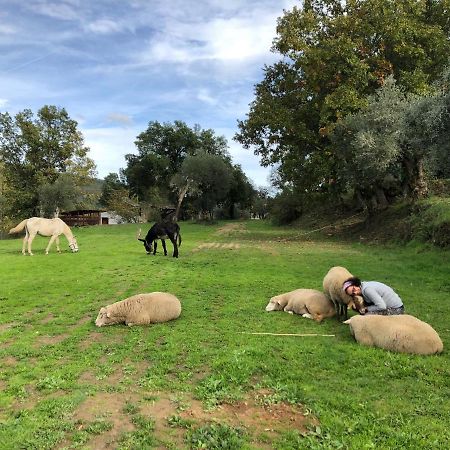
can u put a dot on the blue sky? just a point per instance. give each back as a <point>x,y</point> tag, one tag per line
<point>117,65</point>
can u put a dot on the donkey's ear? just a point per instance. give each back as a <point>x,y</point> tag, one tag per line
<point>142,240</point>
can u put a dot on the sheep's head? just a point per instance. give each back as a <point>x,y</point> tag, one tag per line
<point>275,304</point>
<point>103,318</point>
<point>357,304</point>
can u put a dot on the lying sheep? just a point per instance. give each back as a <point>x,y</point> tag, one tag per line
<point>332,286</point>
<point>401,333</point>
<point>308,303</point>
<point>141,309</point>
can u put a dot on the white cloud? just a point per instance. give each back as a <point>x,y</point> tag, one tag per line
<point>123,119</point>
<point>7,29</point>
<point>57,10</point>
<point>109,146</point>
<point>104,26</point>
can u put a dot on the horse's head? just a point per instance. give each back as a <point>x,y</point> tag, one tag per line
<point>73,244</point>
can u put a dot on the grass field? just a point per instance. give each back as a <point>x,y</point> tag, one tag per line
<point>201,381</point>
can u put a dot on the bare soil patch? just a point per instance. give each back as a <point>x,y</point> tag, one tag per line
<point>232,228</point>
<point>50,340</point>
<point>252,413</point>
<point>218,245</point>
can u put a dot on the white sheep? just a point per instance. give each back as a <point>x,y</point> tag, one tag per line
<point>332,286</point>
<point>308,303</point>
<point>399,333</point>
<point>141,309</point>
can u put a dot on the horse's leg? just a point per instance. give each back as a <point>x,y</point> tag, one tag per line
<point>25,240</point>
<point>57,244</point>
<point>155,244</point>
<point>50,243</point>
<point>30,241</point>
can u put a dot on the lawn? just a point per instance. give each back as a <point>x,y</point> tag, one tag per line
<point>203,381</point>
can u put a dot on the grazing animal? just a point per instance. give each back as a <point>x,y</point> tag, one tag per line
<point>401,333</point>
<point>141,309</point>
<point>332,286</point>
<point>162,230</point>
<point>308,303</point>
<point>45,227</point>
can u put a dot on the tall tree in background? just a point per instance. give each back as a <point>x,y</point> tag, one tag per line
<point>36,150</point>
<point>158,170</point>
<point>335,54</point>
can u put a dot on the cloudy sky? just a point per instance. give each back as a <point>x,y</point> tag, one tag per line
<point>116,65</point>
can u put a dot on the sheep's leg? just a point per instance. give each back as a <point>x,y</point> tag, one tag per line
<point>163,242</point>
<point>52,239</point>
<point>307,316</point>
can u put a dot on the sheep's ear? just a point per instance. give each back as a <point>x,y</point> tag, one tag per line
<point>347,321</point>
<point>108,315</point>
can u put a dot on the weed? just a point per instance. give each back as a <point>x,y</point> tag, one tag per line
<point>216,436</point>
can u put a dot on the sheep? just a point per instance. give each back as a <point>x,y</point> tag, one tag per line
<point>400,333</point>
<point>141,309</point>
<point>332,286</point>
<point>309,303</point>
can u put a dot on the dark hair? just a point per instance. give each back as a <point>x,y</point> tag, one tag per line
<point>354,280</point>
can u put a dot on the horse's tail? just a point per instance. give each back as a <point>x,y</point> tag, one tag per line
<point>179,239</point>
<point>19,227</point>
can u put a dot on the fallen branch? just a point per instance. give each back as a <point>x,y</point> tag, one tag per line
<point>290,334</point>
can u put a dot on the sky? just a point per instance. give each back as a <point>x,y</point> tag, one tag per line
<point>116,65</point>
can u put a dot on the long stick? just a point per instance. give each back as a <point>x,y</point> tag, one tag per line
<point>290,334</point>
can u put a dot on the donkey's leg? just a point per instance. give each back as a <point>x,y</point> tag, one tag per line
<point>175,247</point>
<point>50,242</point>
<point>163,242</point>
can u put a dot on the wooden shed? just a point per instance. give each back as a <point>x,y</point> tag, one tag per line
<point>82,217</point>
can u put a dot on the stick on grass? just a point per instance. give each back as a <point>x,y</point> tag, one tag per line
<point>291,334</point>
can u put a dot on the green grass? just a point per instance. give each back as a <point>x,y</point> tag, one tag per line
<point>66,384</point>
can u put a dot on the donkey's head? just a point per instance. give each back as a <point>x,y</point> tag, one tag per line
<point>148,245</point>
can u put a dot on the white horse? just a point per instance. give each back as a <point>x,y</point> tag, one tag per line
<point>45,227</point>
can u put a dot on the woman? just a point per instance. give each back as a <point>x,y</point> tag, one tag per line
<point>378,297</point>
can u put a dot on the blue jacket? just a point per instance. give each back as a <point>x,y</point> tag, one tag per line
<point>379,296</point>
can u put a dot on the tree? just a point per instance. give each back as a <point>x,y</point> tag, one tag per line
<point>35,151</point>
<point>58,196</point>
<point>124,206</point>
<point>111,183</point>
<point>335,54</point>
<point>211,176</point>
<point>162,149</point>
<point>370,144</point>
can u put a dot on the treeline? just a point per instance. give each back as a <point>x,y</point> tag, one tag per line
<point>356,112</point>
<point>44,169</point>
<point>189,169</point>
<point>43,164</point>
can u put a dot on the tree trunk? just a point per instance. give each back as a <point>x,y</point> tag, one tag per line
<point>181,195</point>
<point>415,185</point>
